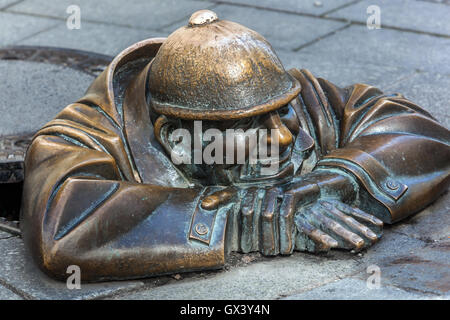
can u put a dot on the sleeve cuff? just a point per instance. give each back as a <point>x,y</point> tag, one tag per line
<point>371,173</point>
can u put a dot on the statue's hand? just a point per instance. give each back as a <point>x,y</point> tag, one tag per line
<point>332,224</point>
<point>304,215</point>
<point>218,198</point>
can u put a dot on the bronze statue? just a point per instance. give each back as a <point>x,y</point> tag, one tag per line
<point>102,189</point>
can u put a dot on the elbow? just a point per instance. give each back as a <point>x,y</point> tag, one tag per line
<point>55,262</point>
<point>51,258</point>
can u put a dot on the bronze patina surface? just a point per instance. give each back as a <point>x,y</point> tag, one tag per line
<point>102,192</point>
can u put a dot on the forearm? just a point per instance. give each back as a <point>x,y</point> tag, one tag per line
<point>114,229</point>
<point>325,183</point>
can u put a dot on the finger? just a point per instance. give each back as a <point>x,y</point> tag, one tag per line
<point>367,219</point>
<point>286,225</point>
<point>364,232</point>
<point>269,223</point>
<point>311,239</point>
<point>304,192</point>
<point>345,238</point>
<point>247,214</point>
<point>217,198</point>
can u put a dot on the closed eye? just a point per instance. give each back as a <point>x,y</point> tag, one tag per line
<point>284,110</point>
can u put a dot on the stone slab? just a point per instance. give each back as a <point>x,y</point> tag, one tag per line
<point>413,15</point>
<point>358,45</point>
<point>423,270</point>
<point>343,72</point>
<point>431,225</point>
<point>356,289</point>
<point>267,279</point>
<point>18,271</point>
<point>15,27</point>
<point>5,235</point>
<point>279,277</point>
<point>33,93</point>
<point>6,294</point>
<point>313,7</point>
<point>424,88</point>
<point>147,14</point>
<point>414,254</point>
<point>6,3</point>
<point>438,1</point>
<point>283,31</point>
<point>94,37</point>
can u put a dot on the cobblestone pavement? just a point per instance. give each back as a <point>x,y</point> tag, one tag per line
<point>409,54</point>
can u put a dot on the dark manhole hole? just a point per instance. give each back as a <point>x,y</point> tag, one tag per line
<point>13,147</point>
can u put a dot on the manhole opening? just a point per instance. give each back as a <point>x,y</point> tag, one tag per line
<point>10,199</point>
<point>12,148</point>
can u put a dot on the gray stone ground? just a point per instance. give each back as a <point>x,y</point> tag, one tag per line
<point>409,54</point>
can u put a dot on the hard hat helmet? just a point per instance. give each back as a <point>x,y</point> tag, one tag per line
<point>215,69</point>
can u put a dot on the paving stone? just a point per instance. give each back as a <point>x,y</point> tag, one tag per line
<point>413,15</point>
<point>438,1</point>
<point>5,3</point>
<point>269,279</point>
<point>15,27</point>
<point>356,289</point>
<point>287,276</point>
<point>430,225</point>
<point>384,47</point>
<point>344,72</point>
<point>429,90</point>
<point>415,256</point>
<point>5,235</point>
<point>94,37</point>
<point>149,14</point>
<point>423,88</point>
<point>33,93</point>
<point>18,271</point>
<point>391,244</point>
<point>299,6</point>
<point>423,270</point>
<point>6,294</point>
<point>282,30</point>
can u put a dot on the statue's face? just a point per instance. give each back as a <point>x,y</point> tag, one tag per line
<point>246,151</point>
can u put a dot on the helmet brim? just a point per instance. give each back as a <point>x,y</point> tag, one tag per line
<point>211,114</point>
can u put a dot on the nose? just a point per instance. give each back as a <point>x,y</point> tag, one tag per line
<point>284,135</point>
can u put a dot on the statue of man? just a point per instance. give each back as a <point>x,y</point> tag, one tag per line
<point>121,183</point>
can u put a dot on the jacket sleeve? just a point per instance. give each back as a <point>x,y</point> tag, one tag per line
<point>397,151</point>
<point>83,206</point>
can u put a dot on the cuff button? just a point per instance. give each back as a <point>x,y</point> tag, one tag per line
<point>392,185</point>
<point>201,229</point>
